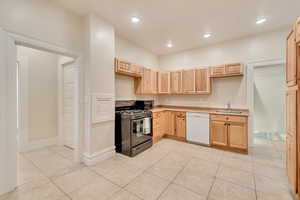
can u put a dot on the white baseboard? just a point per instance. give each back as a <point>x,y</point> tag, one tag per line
<point>30,146</point>
<point>99,156</point>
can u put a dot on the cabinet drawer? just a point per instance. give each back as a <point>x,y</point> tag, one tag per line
<point>236,119</point>
<point>229,118</point>
<point>219,117</point>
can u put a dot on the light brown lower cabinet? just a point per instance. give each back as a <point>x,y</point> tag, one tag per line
<point>169,124</point>
<point>229,132</point>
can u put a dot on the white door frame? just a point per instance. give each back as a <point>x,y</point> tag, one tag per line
<point>61,98</point>
<point>250,88</point>
<point>8,113</point>
<point>41,45</point>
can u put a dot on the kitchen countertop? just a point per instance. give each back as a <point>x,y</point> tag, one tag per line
<point>160,108</point>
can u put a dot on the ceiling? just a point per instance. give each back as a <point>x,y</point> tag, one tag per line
<point>185,21</point>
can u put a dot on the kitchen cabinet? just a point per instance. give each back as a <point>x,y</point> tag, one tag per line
<point>176,82</point>
<point>227,70</point>
<point>180,125</point>
<point>218,133</point>
<point>188,81</point>
<point>229,132</point>
<point>163,82</point>
<point>234,69</point>
<point>170,124</point>
<point>291,133</point>
<point>237,135</point>
<point>298,31</point>
<point>127,68</point>
<point>147,84</point>
<point>291,63</point>
<point>157,127</point>
<point>217,71</point>
<point>202,81</point>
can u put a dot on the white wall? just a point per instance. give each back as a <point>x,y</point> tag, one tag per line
<point>264,46</point>
<point>269,99</point>
<point>43,20</point>
<point>42,93</point>
<point>100,78</point>
<point>126,50</point>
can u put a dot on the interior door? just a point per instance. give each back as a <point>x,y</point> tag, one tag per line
<point>8,113</point>
<point>69,104</point>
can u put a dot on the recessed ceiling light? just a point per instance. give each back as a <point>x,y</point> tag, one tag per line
<point>170,45</point>
<point>135,20</point>
<point>261,21</point>
<point>207,35</point>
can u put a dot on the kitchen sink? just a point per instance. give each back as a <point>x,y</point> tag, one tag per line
<point>229,111</point>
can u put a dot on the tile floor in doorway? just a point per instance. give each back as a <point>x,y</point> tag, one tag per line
<point>170,170</point>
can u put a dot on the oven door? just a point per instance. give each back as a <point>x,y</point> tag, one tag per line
<point>141,130</point>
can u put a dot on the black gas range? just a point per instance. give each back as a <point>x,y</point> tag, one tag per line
<point>133,127</point>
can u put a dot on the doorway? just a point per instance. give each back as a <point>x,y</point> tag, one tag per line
<point>269,102</point>
<point>38,87</point>
<point>11,116</point>
<point>266,102</point>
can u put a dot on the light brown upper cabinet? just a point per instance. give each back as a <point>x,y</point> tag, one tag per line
<point>188,81</point>
<point>176,82</point>
<point>126,68</point>
<point>163,82</point>
<point>147,84</point>
<point>202,81</point>
<point>298,31</point>
<point>217,71</point>
<point>233,69</point>
<point>291,62</point>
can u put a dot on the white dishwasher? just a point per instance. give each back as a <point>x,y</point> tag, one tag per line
<point>198,128</point>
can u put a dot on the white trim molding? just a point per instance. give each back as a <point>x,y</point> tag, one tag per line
<point>92,159</point>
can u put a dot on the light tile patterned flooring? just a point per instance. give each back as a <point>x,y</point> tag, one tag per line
<point>170,170</point>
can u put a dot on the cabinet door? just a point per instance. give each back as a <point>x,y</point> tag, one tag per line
<point>180,125</point>
<point>172,123</point>
<point>188,81</point>
<point>234,69</point>
<point>202,81</point>
<point>156,126</point>
<point>291,64</point>
<point>291,161</point>
<point>122,66</point>
<point>175,83</point>
<point>298,31</point>
<point>291,110</point>
<point>218,133</point>
<point>164,82</point>
<point>217,71</point>
<point>153,82</point>
<point>237,135</point>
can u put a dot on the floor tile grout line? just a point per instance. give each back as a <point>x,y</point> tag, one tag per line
<point>215,177</point>
<point>50,180</point>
